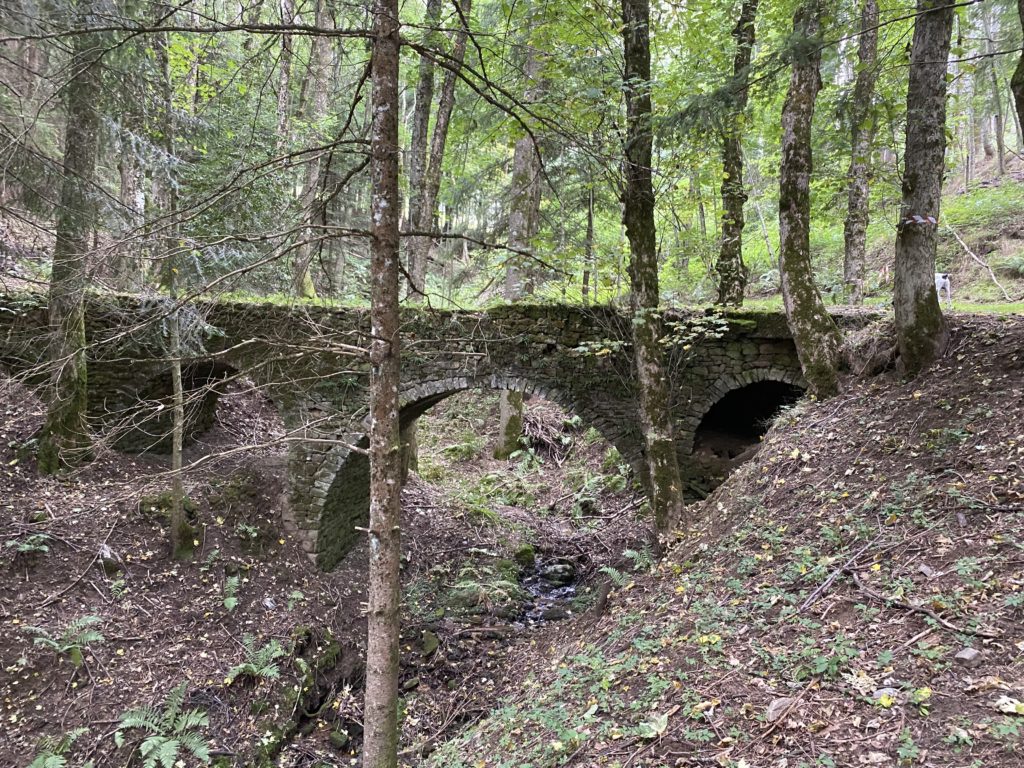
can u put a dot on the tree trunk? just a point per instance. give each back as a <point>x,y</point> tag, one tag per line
<point>181,531</point>
<point>921,329</point>
<point>655,414</point>
<point>1017,81</point>
<point>380,711</point>
<point>732,272</point>
<point>862,134</point>
<point>522,226</point>
<point>128,265</point>
<point>999,127</point>
<point>421,247</point>
<point>284,83</point>
<point>424,194</point>
<point>588,252</point>
<point>64,440</point>
<point>814,332</point>
<point>312,202</point>
<point>421,119</point>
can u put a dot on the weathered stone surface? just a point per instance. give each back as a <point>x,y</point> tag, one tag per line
<point>778,708</point>
<point>969,657</point>
<point>308,360</point>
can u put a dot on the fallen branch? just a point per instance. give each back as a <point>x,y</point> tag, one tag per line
<point>69,587</point>
<point>919,609</point>
<point>981,261</point>
<point>845,567</point>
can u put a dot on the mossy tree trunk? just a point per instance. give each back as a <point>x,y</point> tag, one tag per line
<point>313,194</point>
<point>732,272</point>
<point>64,439</point>
<point>664,482</point>
<point>815,334</point>
<point>380,711</point>
<point>862,135</point>
<point>524,213</point>
<point>921,330</point>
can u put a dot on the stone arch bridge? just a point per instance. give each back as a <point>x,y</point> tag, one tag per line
<point>309,361</point>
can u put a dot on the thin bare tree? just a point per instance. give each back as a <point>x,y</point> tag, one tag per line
<point>380,745</point>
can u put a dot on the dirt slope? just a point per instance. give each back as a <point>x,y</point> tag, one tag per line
<point>853,596</point>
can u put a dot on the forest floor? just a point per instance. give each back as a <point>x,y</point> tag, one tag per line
<point>96,621</point>
<point>852,596</point>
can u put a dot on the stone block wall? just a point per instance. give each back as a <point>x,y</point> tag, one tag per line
<point>311,362</point>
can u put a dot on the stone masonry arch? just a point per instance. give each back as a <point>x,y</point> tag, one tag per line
<point>311,361</point>
<point>344,508</point>
<point>720,388</point>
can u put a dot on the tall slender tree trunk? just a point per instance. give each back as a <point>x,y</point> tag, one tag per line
<point>862,135</point>
<point>921,330</point>
<point>421,119</point>
<point>421,247</point>
<point>732,272</point>
<point>425,193</point>
<point>284,82</point>
<point>313,212</point>
<point>128,264</point>
<point>589,271</point>
<point>380,711</point>
<point>664,482</point>
<point>1017,81</point>
<point>998,119</point>
<point>181,532</point>
<point>814,332</point>
<point>522,226</point>
<point>64,440</point>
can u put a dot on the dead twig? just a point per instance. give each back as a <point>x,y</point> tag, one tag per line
<point>53,598</point>
<point>981,261</point>
<point>919,609</point>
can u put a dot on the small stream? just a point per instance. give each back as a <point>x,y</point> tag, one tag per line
<point>551,585</point>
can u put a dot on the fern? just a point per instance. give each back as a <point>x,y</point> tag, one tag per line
<point>259,663</point>
<point>230,592</point>
<point>51,752</point>
<point>619,579</point>
<point>642,560</point>
<point>77,636</point>
<point>170,731</point>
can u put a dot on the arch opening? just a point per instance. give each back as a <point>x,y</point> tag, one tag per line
<point>346,502</point>
<point>731,430</point>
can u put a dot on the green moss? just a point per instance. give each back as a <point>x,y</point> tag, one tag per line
<point>525,555</point>
<point>186,542</point>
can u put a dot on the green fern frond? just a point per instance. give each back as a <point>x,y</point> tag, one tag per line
<point>48,760</point>
<point>196,745</point>
<point>146,718</point>
<point>169,729</point>
<point>80,624</point>
<point>52,750</point>
<point>87,637</point>
<point>189,721</point>
<point>173,703</point>
<point>159,750</point>
<point>619,579</point>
